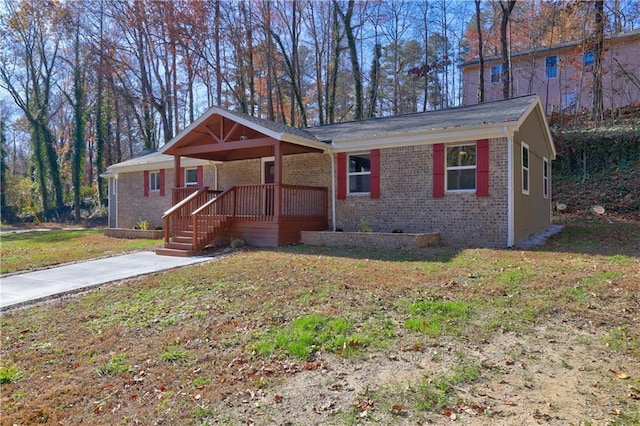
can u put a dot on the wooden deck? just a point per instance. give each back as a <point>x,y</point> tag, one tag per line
<point>267,215</point>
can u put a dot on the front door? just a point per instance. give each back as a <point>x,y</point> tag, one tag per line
<point>269,178</point>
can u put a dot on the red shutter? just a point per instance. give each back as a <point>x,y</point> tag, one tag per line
<point>375,173</point>
<point>438,170</point>
<point>342,175</point>
<point>200,178</point>
<point>146,183</point>
<point>482,168</point>
<point>162,182</point>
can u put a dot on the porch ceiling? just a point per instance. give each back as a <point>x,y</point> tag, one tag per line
<point>221,138</point>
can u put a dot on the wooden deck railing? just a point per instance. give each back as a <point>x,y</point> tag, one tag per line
<point>208,212</point>
<point>304,203</point>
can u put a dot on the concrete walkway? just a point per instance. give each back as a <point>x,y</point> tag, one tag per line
<point>32,287</point>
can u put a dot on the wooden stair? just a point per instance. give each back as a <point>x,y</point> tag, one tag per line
<point>181,245</point>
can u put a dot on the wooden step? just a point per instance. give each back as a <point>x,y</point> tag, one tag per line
<point>176,252</point>
<point>179,246</point>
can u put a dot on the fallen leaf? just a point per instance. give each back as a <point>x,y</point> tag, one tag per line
<point>277,398</point>
<point>620,375</point>
<point>450,414</point>
<point>396,409</point>
<point>509,402</point>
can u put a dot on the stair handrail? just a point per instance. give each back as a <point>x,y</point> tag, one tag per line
<point>196,244</point>
<point>185,201</point>
<point>176,208</point>
<point>211,201</point>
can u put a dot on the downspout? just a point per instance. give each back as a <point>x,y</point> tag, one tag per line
<point>510,194</point>
<point>333,190</point>
<point>215,173</point>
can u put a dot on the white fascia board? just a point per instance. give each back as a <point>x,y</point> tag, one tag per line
<point>115,170</point>
<point>286,137</point>
<point>427,138</point>
<point>536,108</point>
<point>189,128</point>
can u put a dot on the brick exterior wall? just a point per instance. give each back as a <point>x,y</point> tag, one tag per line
<point>134,207</point>
<point>406,200</point>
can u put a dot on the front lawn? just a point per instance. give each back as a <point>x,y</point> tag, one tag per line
<point>304,335</point>
<point>22,251</point>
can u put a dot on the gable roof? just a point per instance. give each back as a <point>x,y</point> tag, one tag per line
<point>481,121</point>
<point>496,119</point>
<point>219,132</point>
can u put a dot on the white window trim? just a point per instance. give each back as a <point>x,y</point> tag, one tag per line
<point>193,184</point>
<point>492,74</point>
<point>151,180</point>
<point>545,177</point>
<point>547,68</point>
<point>349,174</point>
<point>523,168</point>
<point>447,168</point>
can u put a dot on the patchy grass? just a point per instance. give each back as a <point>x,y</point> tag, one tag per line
<point>23,251</point>
<point>344,336</point>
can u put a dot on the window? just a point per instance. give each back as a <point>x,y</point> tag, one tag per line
<point>496,73</point>
<point>359,173</point>
<point>568,100</point>
<point>551,66</point>
<point>589,58</point>
<point>545,177</point>
<point>190,177</point>
<point>461,168</point>
<point>154,181</point>
<point>525,168</point>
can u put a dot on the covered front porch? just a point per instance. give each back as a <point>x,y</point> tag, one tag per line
<point>269,213</point>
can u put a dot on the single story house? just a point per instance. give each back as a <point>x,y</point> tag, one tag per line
<point>478,175</point>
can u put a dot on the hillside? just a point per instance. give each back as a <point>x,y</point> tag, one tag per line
<point>618,191</point>
<point>598,163</point>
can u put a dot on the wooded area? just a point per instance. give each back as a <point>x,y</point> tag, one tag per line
<point>88,83</point>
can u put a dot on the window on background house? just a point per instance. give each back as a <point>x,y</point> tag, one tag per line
<point>461,168</point>
<point>545,177</point>
<point>359,173</point>
<point>496,73</point>
<point>190,177</point>
<point>551,69</point>
<point>154,181</point>
<point>525,168</point>
<point>589,58</point>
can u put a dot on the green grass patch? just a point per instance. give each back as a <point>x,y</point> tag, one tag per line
<point>174,353</point>
<point>10,373</point>
<point>117,365</point>
<point>307,334</point>
<point>624,339</point>
<point>436,317</point>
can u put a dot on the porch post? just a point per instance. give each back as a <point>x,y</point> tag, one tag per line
<point>277,180</point>
<point>177,178</point>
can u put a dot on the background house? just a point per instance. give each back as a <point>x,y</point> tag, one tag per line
<point>562,75</point>
<point>478,175</point>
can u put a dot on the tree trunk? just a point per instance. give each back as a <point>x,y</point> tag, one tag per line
<point>78,134</point>
<point>507,92</point>
<point>353,55</point>
<point>598,103</point>
<point>480,54</point>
